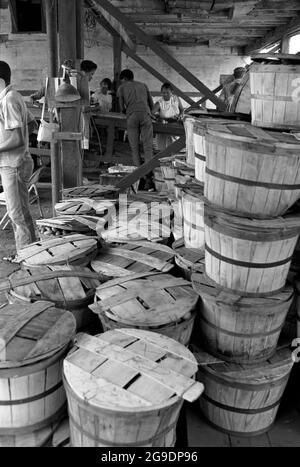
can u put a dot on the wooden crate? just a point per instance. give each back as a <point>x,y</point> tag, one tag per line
<point>249,257</point>
<point>130,258</point>
<point>136,381</point>
<point>150,301</point>
<point>250,171</point>
<point>74,250</point>
<point>243,400</point>
<point>239,329</point>
<point>69,287</point>
<point>34,340</point>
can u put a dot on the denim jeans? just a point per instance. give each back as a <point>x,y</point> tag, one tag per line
<point>15,187</point>
<point>140,123</point>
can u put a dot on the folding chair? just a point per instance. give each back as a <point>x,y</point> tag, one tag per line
<point>33,196</point>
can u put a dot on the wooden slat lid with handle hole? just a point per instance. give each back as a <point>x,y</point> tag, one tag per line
<point>59,284</point>
<point>58,251</point>
<point>90,191</point>
<point>133,257</point>
<point>129,370</point>
<point>146,300</point>
<point>31,332</point>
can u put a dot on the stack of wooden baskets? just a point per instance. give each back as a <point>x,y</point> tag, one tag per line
<point>251,182</point>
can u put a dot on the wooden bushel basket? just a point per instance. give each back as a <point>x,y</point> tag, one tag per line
<point>250,171</point>
<point>154,302</point>
<point>69,287</point>
<point>76,250</point>
<point>168,173</point>
<point>200,127</point>
<point>188,260</point>
<point>193,216</point>
<point>136,382</point>
<point>249,257</point>
<point>238,329</point>
<point>32,396</point>
<point>274,88</point>
<point>243,400</point>
<point>159,181</point>
<point>188,123</point>
<point>130,258</point>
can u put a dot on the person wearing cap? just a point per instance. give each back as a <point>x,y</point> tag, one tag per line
<point>16,164</point>
<point>229,90</point>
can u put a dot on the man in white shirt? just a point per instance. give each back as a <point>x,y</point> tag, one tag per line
<point>16,164</point>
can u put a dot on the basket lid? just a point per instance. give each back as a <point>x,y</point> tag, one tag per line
<point>246,133</point>
<point>265,373</point>
<point>60,284</point>
<point>74,206</point>
<point>284,59</point>
<point>140,221</point>
<point>130,370</point>
<point>146,300</point>
<point>133,257</point>
<point>58,250</point>
<point>208,290</point>
<point>30,332</point>
<point>90,191</point>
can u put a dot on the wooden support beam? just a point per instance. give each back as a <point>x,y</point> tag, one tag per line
<point>274,36</point>
<point>117,58</point>
<point>69,113</point>
<point>144,169</point>
<point>50,7</point>
<point>79,30</point>
<point>116,27</point>
<point>155,73</point>
<point>155,47</point>
<point>67,30</point>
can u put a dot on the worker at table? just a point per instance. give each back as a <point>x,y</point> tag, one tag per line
<point>135,100</point>
<point>168,108</point>
<point>102,97</point>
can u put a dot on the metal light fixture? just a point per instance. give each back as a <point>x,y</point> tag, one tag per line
<point>66,92</point>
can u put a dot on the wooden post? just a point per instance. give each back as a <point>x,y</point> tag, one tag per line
<point>79,30</point>
<point>50,7</point>
<point>70,116</point>
<point>117,58</point>
<point>56,175</point>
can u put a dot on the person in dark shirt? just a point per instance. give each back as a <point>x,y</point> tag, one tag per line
<point>135,100</point>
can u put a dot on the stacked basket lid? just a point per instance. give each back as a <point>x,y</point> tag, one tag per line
<point>251,182</point>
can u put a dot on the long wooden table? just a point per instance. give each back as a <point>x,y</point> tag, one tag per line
<point>113,121</point>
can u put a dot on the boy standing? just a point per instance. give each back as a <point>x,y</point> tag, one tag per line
<point>16,163</point>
